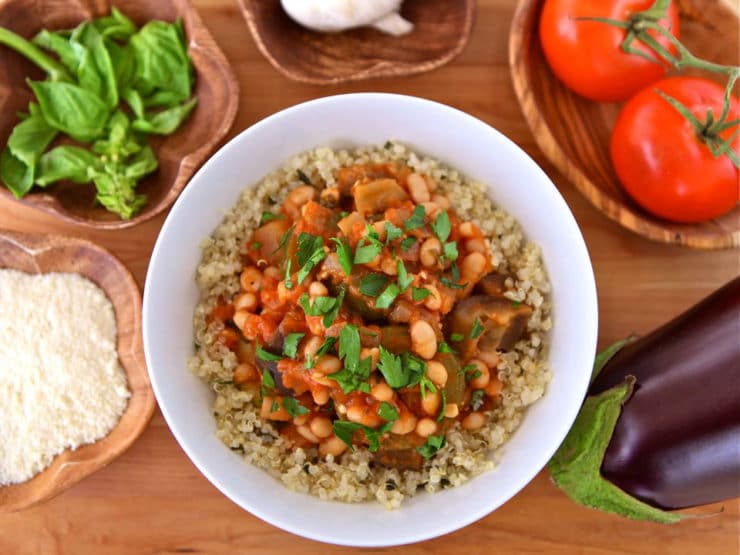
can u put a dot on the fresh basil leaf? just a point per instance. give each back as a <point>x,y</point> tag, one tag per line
<point>388,296</point>
<point>293,407</point>
<point>387,412</point>
<point>167,121</point>
<point>124,64</point>
<point>133,99</point>
<point>116,192</point>
<point>69,53</point>
<point>442,226</point>
<point>116,25</point>
<point>71,109</point>
<point>432,445</point>
<point>162,60</point>
<point>95,71</point>
<point>344,254</point>
<point>164,99</point>
<point>417,218</point>
<point>15,174</point>
<point>372,284</point>
<point>290,346</point>
<point>144,162</point>
<point>65,162</point>
<point>404,280</point>
<point>419,293</point>
<point>29,139</point>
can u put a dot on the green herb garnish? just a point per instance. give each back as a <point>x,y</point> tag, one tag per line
<point>310,253</point>
<point>392,232</point>
<point>443,409</point>
<point>407,243</point>
<point>345,430</point>
<point>288,282</point>
<point>449,251</point>
<point>457,337</point>
<point>445,348</point>
<point>442,227</point>
<point>372,284</point>
<point>290,346</point>
<point>477,329</point>
<point>326,346</point>
<point>387,412</point>
<point>268,383</point>
<point>387,297</point>
<point>284,239</point>
<point>404,280</point>
<point>419,293</point>
<point>366,252</point>
<point>426,385</point>
<point>344,254</point>
<point>265,355</point>
<point>293,407</point>
<point>417,218</point>
<point>268,216</point>
<point>432,445</point>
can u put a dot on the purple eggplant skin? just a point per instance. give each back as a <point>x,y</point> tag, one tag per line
<point>677,441</point>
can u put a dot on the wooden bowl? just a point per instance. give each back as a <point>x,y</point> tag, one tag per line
<point>179,154</point>
<point>574,132</point>
<point>38,254</point>
<point>441,31</point>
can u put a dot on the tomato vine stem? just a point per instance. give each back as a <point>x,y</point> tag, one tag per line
<point>638,28</point>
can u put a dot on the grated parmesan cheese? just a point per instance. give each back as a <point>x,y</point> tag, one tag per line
<point>61,385</point>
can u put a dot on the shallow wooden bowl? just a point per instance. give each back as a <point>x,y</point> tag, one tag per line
<point>38,254</point>
<point>179,154</point>
<point>441,31</point>
<point>574,132</point>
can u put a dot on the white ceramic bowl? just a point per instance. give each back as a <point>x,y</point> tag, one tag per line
<point>465,143</point>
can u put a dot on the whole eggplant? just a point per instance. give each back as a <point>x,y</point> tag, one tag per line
<point>676,442</point>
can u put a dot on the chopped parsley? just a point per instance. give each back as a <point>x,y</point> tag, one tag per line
<point>366,252</point>
<point>288,281</point>
<point>387,412</point>
<point>453,283</point>
<point>417,218</point>
<point>387,296</point>
<point>426,385</point>
<point>269,216</point>
<point>256,245</point>
<point>476,400</point>
<point>310,253</point>
<point>326,346</point>
<point>477,329</point>
<point>401,371</point>
<point>404,280</point>
<point>330,316</point>
<point>457,337</point>
<point>392,232</point>
<point>275,406</point>
<point>290,347</point>
<point>345,430</point>
<point>442,410</point>
<point>284,239</point>
<point>515,304</point>
<point>449,251</point>
<point>320,306</point>
<point>265,355</point>
<point>356,371</point>
<point>293,407</point>
<point>442,227</point>
<point>303,177</point>
<point>407,243</point>
<point>432,445</point>
<point>372,284</point>
<point>344,254</point>
<point>268,382</point>
<point>419,293</point>
<point>445,348</point>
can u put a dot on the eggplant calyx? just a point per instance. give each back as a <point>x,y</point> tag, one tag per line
<point>607,354</point>
<point>576,466</point>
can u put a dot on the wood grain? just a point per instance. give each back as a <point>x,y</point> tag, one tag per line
<point>41,254</point>
<point>441,30</point>
<point>574,132</point>
<point>179,154</point>
<point>152,500</point>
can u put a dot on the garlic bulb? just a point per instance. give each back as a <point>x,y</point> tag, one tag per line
<point>338,15</point>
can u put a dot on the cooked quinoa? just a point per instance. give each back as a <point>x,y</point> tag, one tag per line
<point>353,477</point>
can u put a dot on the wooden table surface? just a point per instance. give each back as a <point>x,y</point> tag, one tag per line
<point>153,500</point>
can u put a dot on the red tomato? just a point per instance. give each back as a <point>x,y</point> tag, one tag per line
<point>663,163</point>
<point>587,55</point>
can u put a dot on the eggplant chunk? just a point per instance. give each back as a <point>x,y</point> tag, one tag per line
<point>493,285</point>
<point>395,339</point>
<point>378,195</point>
<point>400,452</point>
<point>503,324</point>
<point>455,385</point>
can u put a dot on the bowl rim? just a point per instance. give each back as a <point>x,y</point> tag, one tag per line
<point>291,524</point>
